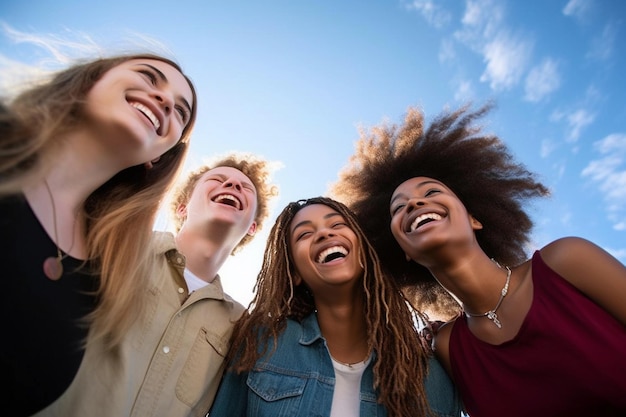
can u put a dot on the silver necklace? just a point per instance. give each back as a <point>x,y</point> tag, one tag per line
<point>350,365</point>
<point>491,314</point>
<point>53,265</point>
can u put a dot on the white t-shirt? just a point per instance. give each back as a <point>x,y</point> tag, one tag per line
<point>346,397</point>
<point>193,282</point>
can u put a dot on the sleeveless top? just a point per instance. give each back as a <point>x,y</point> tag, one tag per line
<point>41,350</point>
<point>568,358</point>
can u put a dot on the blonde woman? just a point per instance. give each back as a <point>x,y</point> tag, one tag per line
<point>85,160</point>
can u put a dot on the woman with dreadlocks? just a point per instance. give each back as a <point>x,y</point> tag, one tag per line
<point>541,336</point>
<point>327,334</point>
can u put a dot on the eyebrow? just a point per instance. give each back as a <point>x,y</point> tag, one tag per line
<point>164,79</point>
<point>418,185</point>
<point>305,222</point>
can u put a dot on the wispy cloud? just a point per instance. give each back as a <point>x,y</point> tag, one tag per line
<point>60,50</point>
<point>507,58</point>
<point>482,19</point>
<point>608,172</point>
<point>506,55</point>
<point>432,11</point>
<point>577,8</point>
<point>464,91</point>
<point>602,45</point>
<point>547,147</point>
<point>542,80</point>
<point>52,52</point>
<point>577,121</point>
<point>446,51</point>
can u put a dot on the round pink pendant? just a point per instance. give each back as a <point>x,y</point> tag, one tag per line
<point>53,268</point>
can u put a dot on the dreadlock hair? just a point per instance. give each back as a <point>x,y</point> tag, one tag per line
<point>477,167</point>
<point>256,169</point>
<point>402,361</point>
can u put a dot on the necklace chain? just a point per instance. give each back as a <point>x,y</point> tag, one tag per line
<point>491,314</point>
<point>350,365</point>
<point>53,266</point>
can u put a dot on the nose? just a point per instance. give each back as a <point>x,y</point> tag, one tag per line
<point>232,183</point>
<point>414,203</point>
<point>324,233</point>
<point>165,101</point>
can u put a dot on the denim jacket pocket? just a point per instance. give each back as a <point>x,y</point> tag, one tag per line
<point>280,393</point>
<point>272,387</point>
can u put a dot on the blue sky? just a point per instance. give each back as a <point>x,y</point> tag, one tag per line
<point>292,80</point>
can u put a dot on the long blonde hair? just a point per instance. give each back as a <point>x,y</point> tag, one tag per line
<point>119,214</point>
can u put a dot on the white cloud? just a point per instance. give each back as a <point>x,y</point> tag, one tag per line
<point>446,51</point>
<point>609,173</point>
<point>481,21</point>
<point>547,147</point>
<point>464,91</point>
<point>601,47</point>
<point>577,8</point>
<point>506,58</point>
<point>615,142</point>
<point>576,122</point>
<point>620,227</point>
<point>431,11</point>
<point>542,80</point>
<point>484,16</point>
<point>600,170</point>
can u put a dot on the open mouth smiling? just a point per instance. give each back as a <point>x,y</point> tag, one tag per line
<point>332,253</point>
<point>149,115</point>
<point>423,219</point>
<point>229,200</point>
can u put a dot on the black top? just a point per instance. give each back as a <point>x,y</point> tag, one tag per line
<point>41,348</point>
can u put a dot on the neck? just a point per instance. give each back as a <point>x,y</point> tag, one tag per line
<point>345,331</point>
<point>59,211</point>
<point>204,257</point>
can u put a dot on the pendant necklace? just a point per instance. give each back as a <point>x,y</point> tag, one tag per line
<point>53,265</point>
<point>491,314</point>
<point>350,365</point>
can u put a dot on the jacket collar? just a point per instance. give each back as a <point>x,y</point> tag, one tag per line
<point>310,330</point>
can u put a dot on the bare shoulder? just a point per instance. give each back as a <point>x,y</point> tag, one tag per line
<point>441,344</point>
<point>571,256</point>
<point>592,270</point>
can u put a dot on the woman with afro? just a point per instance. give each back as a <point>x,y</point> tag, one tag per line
<point>446,205</point>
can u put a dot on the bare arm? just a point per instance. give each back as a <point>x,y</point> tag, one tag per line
<point>441,345</point>
<point>592,270</point>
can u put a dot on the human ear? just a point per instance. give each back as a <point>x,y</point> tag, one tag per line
<point>252,229</point>
<point>181,211</point>
<point>476,225</point>
<point>297,280</point>
<point>150,164</point>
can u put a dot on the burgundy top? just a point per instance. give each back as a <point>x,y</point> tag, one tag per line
<point>568,358</point>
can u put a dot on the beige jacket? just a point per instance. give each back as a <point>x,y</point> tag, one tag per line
<point>173,358</point>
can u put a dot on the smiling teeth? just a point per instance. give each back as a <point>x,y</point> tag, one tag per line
<point>229,197</point>
<point>421,218</point>
<point>326,252</point>
<point>148,113</point>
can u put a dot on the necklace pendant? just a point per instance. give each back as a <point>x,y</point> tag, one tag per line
<point>494,317</point>
<point>53,268</point>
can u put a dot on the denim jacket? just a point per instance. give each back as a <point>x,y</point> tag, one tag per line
<point>298,380</point>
